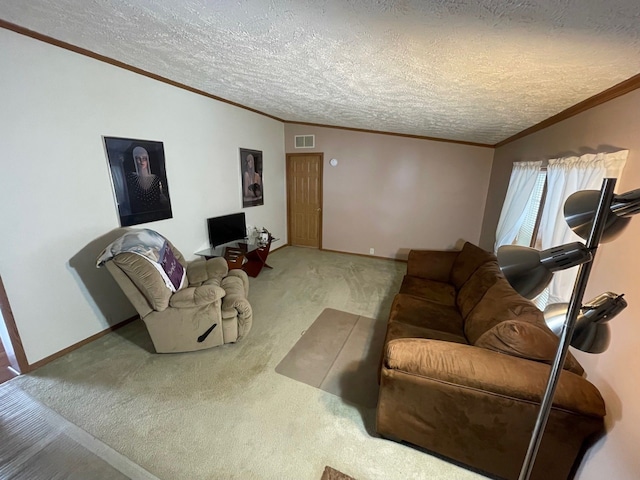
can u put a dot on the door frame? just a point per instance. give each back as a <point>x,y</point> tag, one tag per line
<point>9,333</point>
<point>320,187</point>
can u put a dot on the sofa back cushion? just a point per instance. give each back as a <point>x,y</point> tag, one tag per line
<point>146,278</point>
<point>434,291</point>
<point>500,303</point>
<point>467,262</point>
<point>526,340</point>
<point>476,286</point>
<point>506,322</point>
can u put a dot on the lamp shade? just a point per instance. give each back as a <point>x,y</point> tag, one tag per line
<point>580,210</point>
<point>591,332</point>
<point>555,315</point>
<point>529,270</point>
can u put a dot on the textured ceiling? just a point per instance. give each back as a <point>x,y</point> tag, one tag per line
<point>467,70</point>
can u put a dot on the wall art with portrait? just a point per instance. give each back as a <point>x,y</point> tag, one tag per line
<point>252,186</point>
<point>139,180</point>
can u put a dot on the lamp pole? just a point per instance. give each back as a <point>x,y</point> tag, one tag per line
<point>606,197</point>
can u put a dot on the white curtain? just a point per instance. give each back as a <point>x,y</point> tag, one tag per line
<point>523,179</point>
<point>564,177</point>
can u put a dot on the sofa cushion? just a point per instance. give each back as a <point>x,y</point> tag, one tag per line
<point>500,303</point>
<point>506,322</point>
<point>467,261</point>
<point>431,264</point>
<point>397,330</point>
<point>423,313</point>
<point>476,286</point>
<point>526,340</point>
<point>432,290</point>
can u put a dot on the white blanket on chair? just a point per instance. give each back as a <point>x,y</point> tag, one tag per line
<point>153,247</point>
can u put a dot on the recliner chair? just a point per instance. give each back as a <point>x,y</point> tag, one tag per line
<point>210,310</point>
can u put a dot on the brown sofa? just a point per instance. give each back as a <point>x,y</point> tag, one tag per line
<point>465,364</point>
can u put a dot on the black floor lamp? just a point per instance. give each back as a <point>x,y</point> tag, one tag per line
<point>594,216</point>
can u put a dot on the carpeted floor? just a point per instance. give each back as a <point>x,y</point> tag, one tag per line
<point>224,413</point>
<point>339,354</point>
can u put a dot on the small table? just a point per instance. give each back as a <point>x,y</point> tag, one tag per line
<point>257,258</point>
<point>236,252</point>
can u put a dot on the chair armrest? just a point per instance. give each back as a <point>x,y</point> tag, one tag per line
<point>235,302</point>
<point>196,296</point>
<point>431,264</point>
<point>233,306</point>
<point>499,374</point>
<point>230,282</point>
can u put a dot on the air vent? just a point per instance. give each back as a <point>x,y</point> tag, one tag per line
<point>305,141</point>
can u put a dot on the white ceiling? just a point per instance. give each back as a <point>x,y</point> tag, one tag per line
<point>467,70</point>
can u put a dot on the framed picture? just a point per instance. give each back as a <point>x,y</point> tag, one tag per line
<point>139,180</point>
<point>252,186</point>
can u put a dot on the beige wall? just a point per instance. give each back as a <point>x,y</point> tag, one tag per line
<point>55,188</point>
<point>614,125</point>
<point>394,193</point>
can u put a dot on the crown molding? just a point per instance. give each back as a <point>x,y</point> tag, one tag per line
<point>379,132</point>
<point>622,88</point>
<point>618,90</point>
<point>102,58</point>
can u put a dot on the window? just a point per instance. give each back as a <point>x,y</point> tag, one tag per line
<point>532,214</point>
<point>527,233</point>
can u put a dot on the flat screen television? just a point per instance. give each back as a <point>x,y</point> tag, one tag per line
<point>226,229</point>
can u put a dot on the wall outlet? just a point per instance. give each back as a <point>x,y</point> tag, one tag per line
<point>371,251</point>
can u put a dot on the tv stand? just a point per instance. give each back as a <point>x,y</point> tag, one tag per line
<point>257,258</point>
<point>248,254</point>
<point>218,251</point>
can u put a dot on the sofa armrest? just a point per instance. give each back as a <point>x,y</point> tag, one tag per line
<point>196,296</point>
<point>495,373</point>
<point>431,264</point>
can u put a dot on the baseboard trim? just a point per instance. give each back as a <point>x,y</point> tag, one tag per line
<point>278,248</point>
<point>75,346</point>
<point>364,255</point>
